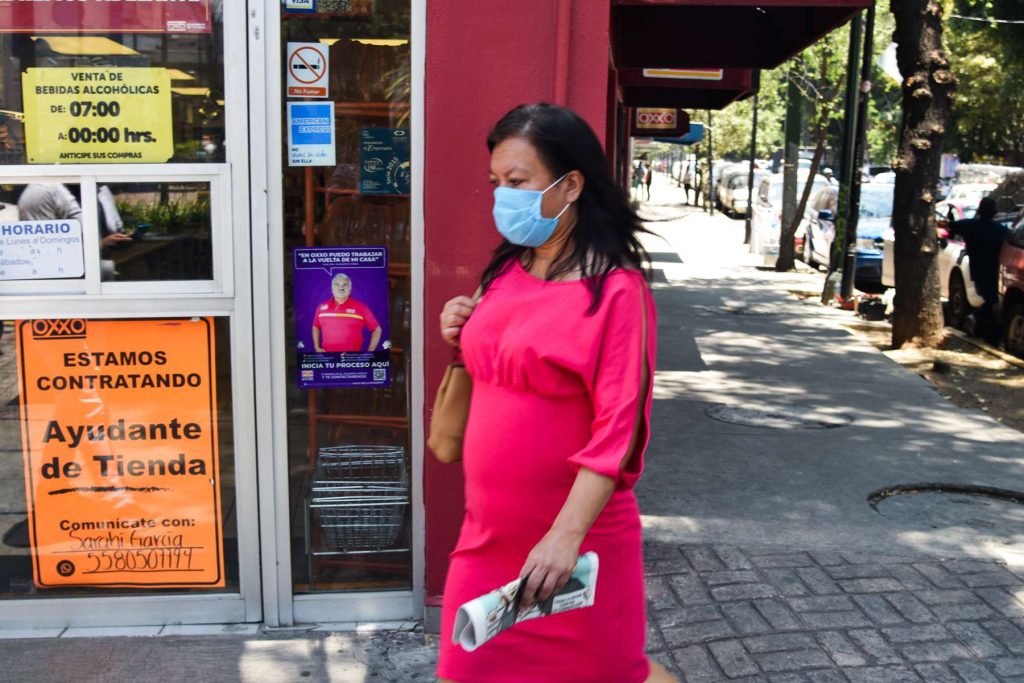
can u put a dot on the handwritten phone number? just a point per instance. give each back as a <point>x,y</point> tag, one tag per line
<point>142,560</point>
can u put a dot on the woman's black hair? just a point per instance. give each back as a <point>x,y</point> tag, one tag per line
<point>605,236</point>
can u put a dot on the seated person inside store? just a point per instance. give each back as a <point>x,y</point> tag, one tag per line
<point>49,201</point>
<point>984,238</point>
<point>339,321</point>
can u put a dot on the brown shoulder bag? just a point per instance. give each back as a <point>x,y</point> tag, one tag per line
<point>451,412</point>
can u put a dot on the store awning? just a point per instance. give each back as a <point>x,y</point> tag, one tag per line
<point>695,136</point>
<point>759,34</point>
<point>686,88</point>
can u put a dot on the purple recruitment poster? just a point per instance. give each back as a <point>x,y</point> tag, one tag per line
<point>341,317</point>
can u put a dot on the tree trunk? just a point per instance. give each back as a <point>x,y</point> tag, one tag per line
<point>928,87</point>
<point>787,255</point>
<point>787,250</point>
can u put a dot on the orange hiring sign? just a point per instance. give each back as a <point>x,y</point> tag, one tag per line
<point>119,433</point>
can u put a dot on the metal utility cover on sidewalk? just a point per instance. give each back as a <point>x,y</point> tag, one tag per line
<point>791,417</point>
<point>721,33</point>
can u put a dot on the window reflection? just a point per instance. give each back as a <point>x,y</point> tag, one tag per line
<point>41,232</point>
<point>147,232</point>
<point>156,231</point>
<point>193,63</point>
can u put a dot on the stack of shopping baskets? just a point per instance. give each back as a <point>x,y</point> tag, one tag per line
<point>358,500</point>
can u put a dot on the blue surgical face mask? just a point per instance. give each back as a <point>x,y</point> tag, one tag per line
<point>518,217</point>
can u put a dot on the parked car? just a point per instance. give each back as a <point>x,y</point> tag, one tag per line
<point>1011,288</point>
<point>818,227</point>
<point>962,201</point>
<point>958,291</point>
<point>722,189</point>
<point>733,189</point>
<point>959,295</point>
<point>874,219</point>
<point>766,220</point>
<point>983,173</point>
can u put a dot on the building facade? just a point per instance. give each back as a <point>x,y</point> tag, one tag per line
<point>226,232</point>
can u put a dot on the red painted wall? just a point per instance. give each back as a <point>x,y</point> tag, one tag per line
<point>481,61</point>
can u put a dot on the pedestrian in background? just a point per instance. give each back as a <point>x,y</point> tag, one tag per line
<point>699,191</point>
<point>560,346</point>
<point>49,201</point>
<point>638,179</point>
<point>984,238</point>
<point>648,177</point>
<point>688,183</point>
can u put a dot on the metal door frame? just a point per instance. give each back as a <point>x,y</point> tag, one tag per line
<point>228,295</point>
<point>280,605</point>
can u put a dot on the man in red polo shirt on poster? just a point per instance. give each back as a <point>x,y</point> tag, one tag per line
<point>339,322</point>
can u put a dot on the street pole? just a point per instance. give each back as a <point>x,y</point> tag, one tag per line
<point>838,250</point>
<point>794,126</point>
<point>711,170</point>
<point>750,175</point>
<point>860,135</point>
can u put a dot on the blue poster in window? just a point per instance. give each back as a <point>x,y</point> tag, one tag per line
<point>384,166</point>
<point>341,317</point>
<point>311,134</point>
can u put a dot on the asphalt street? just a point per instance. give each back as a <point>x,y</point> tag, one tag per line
<point>812,512</point>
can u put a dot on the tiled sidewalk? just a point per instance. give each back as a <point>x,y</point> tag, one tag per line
<point>718,613</point>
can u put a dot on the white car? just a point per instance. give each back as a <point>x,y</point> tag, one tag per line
<point>962,200</point>
<point>736,197</point>
<point>766,219</point>
<point>957,287</point>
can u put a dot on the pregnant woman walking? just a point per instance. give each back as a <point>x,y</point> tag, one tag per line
<point>561,346</point>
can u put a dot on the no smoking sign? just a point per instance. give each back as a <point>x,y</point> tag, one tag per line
<point>308,70</point>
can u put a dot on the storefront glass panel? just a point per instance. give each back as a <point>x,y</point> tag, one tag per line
<point>126,383</point>
<point>125,495</point>
<point>41,234</point>
<point>347,279</point>
<point>153,231</point>
<point>167,229</point>
<point>91,82</point>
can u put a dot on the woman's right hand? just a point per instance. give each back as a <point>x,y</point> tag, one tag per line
<point>454,315</point>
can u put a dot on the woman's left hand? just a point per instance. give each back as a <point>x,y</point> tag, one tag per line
<point>549,565</point>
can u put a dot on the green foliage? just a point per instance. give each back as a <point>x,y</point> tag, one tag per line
<point>732,125</point>
<point>171,216</point>
<point>988,119</point>
<point>988,59</point>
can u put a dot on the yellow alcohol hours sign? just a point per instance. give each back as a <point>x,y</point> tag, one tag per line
<point>97,115</point>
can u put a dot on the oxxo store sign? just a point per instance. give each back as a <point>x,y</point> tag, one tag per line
<point>651,120</point>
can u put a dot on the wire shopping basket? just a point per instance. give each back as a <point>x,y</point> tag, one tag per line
<point>359,496</point>
<point>348,466</point>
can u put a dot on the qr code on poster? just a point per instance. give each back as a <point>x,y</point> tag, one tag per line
<point>380,375</point>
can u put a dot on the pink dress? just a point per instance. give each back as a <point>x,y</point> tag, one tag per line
<point>553,390</point>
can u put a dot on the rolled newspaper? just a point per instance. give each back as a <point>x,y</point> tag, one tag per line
<point>479,620</point>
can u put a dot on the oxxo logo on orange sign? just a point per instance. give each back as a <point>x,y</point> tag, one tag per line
<point>656,118</point>
<point>58,329</point>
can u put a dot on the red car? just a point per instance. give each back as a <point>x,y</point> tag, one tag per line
<point>1011,287</point>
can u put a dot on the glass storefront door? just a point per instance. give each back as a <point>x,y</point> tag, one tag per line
<point>341,270</point>
<point>126,359</point>
<point>210,291</point>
